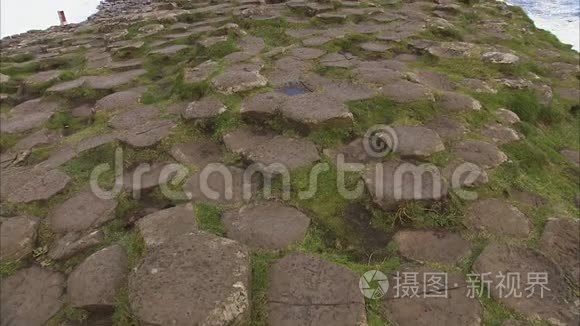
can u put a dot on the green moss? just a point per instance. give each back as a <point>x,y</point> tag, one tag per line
<point>209,219</point>
<point>68,314</point>
<point>8,268</point>
<point>348,44</point>
<point>330,137</point>
<point>221,49</point>
<point>122,315</point>
<point>334,72</point>
<point>8,140</point>
<point>64,122</point>
<point>80,168</point>
<point>261,262</point>
<point>272,31</point>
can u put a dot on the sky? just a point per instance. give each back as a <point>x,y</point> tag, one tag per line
<point>18,16</point>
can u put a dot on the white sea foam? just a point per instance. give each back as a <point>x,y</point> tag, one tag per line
<point>561,17</point>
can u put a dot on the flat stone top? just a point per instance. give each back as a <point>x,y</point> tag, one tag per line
<point>164,225</point>
<point>193,278</point>
<point>497,217</point>
<point>26,187</point>
<point>269,225</point>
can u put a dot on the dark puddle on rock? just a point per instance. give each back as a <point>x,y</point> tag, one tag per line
<point>295,88</point>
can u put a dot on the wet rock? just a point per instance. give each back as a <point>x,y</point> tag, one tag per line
<point>269,225</point>
<point>432,246</point>
<point>198,153</point>
<point>167,224</point>
<point>455,102</point>
<point>506,116</point>
<point>447,128</point>
<point>500,134</point>
<point>405,92</point>
<point>194,279</point>
<point>316,110</point>
<point>393,183</point>
<point>18,236</point>
<point>30,186</point>
<point>205,108</point>
<point>94,284</point>
<point>500,58</point>
<point>412,141</point>
<point>439,304</point>
<point>82,212</point>
<point>483,154</point>
<point>74,243</point>
<point>561,242</point>
<point>497,217</point>
<point>554,306</point>
<point>571,156</point>
<point>31,296</point>
<point>302,292</point>
<point>240,78</point>
<point>220,184</point>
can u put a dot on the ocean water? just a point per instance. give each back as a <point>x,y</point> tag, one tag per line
<point>561,17</point>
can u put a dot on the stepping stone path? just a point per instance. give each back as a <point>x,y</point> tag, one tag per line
<point>95,282</point>
<point>18,236</point>
<point>167,224</point>
<point>81,212</point>
<point>147,134</point>
<point>269,225</point>
<point>561,242</point>
<point>31,296</point>
<point>173,284</point>
<point>314,110</point>
<point>555,305</point>
<point>125,100</point>
<point>497,217</point>
<point>433,246</point>
<point>303,291</point>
